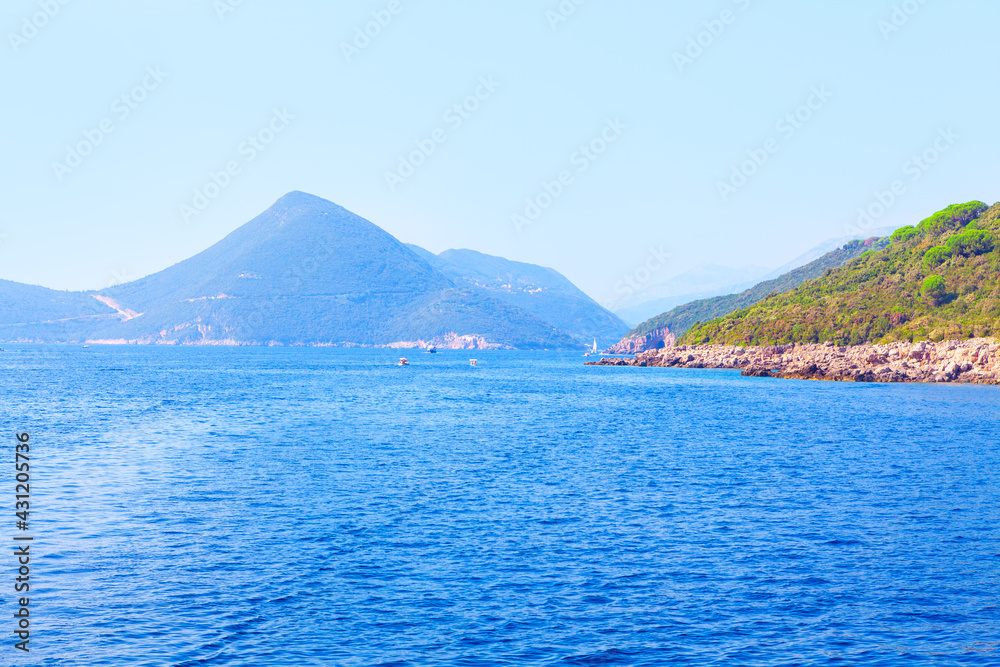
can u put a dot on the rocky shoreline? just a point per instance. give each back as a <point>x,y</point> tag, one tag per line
<point>974,361</point>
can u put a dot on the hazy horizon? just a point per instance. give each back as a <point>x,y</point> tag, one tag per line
<point>170,94</point>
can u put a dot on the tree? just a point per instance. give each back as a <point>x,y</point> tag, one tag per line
<point>953,217</point>
<point>936,256</point>
<point>971,242</point>
<point>904,234</point>
<point>934,290</point>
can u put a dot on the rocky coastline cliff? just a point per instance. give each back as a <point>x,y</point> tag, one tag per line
<point>975,361</point>
<point>654,340</point>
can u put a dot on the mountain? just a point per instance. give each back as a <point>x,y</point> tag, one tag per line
<point>664,329</point>
<point>704,281</point>
<point>543,292</point>
<point>937,280</point>
<point>304,272</point>
<point>825,248</point>
<point>28,312</point>
<point>710,280</point>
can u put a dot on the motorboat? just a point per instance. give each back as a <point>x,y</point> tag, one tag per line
<point>403,361</point>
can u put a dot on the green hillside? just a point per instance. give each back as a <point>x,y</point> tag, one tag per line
<point>682,318</point>
<point>934,281</point>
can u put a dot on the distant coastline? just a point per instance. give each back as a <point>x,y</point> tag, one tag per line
<point>447,342</point>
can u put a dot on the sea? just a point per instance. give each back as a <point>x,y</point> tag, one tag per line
<point>319,506</point>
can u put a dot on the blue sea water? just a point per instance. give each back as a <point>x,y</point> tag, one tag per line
<point>269,506</point>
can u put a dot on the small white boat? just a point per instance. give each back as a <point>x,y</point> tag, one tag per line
<point>403,361</point>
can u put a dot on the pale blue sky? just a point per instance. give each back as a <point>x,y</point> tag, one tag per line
<point>117,214</point>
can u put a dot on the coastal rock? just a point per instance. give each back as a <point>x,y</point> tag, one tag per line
<point>970,361</point>
<point>654,340</point>
<point>757,372</point>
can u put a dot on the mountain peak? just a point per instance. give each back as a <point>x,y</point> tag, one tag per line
<point>297,202</point>
<point>298,198</point>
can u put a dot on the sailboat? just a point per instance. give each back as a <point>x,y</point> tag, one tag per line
<point>592,350</point>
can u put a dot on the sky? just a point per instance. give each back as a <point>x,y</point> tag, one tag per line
<point>634,139</point>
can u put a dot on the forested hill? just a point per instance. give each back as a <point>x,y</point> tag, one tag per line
<point>937,280</point>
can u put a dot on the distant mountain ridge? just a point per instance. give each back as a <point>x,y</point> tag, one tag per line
<point>702,282</point>
<point>824,248</point>
<point>709,280</point>
<point>541,291</point>
<point>664,330</point>
<point>304,272</point>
